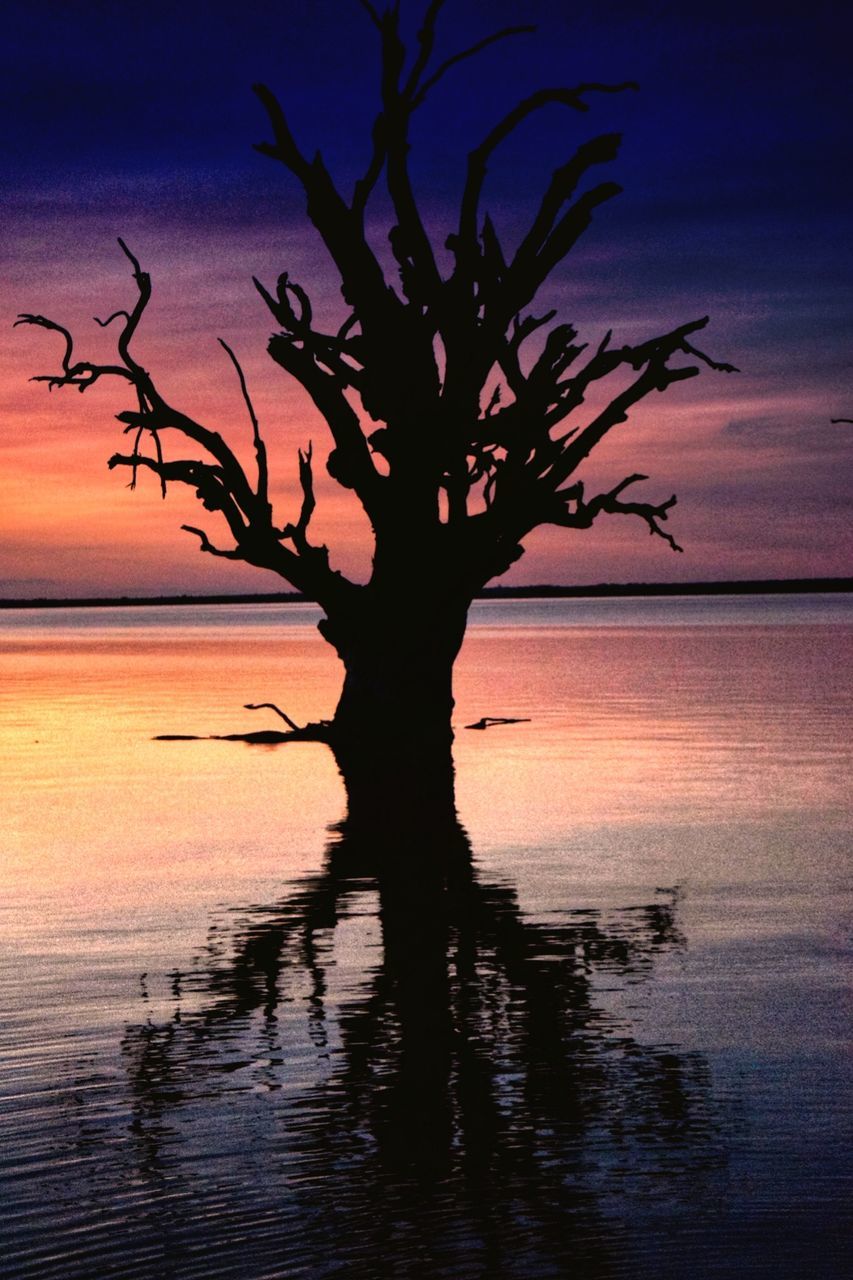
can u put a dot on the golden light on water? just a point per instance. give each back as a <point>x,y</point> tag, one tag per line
<point>653,726</point>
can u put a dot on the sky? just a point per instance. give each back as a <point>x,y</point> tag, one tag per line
<point>137,120</point>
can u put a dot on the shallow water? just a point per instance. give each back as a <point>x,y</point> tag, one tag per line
<point>612,1046</point>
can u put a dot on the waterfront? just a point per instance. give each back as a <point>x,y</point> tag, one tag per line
<point>205,1060</point>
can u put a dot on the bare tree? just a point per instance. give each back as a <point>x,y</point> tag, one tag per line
<point>455,412</point>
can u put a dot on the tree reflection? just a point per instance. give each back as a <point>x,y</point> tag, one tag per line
<point>445,1083</point>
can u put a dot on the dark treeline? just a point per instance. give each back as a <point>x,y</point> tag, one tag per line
<point>750,586</point>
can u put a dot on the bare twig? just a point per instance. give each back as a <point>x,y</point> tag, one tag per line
<point>371,12</point>
<point>207,545</point>
<point>260,447</point>
<point>580,514</point>
<point>503,34</point>
<point>260,706</point>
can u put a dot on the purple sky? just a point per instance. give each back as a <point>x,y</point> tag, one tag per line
<point>138,121</point>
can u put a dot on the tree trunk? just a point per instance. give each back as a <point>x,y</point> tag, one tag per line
<point>392,733</point>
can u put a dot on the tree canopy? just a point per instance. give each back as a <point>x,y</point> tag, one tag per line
<point>453,408</point>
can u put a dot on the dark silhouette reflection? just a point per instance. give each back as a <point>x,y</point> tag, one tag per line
<point>412,1078</point>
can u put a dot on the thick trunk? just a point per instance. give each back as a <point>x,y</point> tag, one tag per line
<point>391,732</point>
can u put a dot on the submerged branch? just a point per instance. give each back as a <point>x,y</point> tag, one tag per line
<point>317,732</point>
<point>260,706</point>
<point>488,721</point>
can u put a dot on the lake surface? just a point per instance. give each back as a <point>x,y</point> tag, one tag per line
<point>610,1045</point>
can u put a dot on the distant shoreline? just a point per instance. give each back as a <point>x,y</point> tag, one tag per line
<point>754,586</point>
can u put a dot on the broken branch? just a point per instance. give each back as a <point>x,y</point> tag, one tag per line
<point>260,706</point>
<point>207,545</point>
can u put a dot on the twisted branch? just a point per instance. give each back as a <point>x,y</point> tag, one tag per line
<point>207,545</point>
<point>583,513</point>
<point>81,374</point>
<point>219,482</point>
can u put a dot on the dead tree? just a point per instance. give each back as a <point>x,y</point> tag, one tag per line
<point>455,411</point>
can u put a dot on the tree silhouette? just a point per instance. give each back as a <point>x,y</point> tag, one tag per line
<point>454,410</point>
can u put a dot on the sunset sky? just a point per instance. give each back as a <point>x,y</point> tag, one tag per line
<point>138,121</point>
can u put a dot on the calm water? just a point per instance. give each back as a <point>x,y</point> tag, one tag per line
<point>609,1044</point>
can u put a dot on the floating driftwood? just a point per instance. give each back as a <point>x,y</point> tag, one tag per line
<point>318,731</point>
<point>488,721</point>
<point>264,737</point>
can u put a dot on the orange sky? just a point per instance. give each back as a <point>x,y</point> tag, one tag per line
<point>68,526</point>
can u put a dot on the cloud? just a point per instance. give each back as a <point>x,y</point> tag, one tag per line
<point>777,432</point>
<point>11,585</point>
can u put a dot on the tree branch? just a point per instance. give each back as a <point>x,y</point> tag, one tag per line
<point>656,375</point>
<point>426,40</point>
<point>297,533</point>
<point>561,188</point>
<point>350,462</point>
<point>208,481</point>
<point>340,226</point>
<point>418,94</point>
<point>260,447</point>
<point>584,513</point>
<point>260,706</point>
<point>220,484</point>
<point>478,159</point>
<point>371,12</point>
<point>207,545</point>
<point>409,241</point>
<point>143,284</point>
<point>82,374</point>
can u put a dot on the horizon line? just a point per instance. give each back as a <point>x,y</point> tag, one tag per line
<point>542,590</point>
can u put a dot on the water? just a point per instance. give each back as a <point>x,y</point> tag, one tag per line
<point>609,1044</point>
